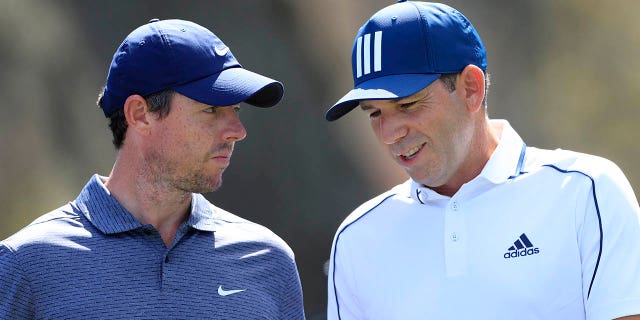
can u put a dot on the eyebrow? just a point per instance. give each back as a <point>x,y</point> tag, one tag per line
<point>413,98</point>
<point>366,107</point>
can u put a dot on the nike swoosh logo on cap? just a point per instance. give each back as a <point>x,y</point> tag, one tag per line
<point>221,51</point>
<point>225,293</point>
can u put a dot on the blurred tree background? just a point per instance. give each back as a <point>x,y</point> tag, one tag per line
<point>565,73</point>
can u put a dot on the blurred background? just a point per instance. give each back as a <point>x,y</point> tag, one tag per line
<point>564,73</point>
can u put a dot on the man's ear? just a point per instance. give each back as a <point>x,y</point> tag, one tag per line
<point>136,112</point>
<point>471,79</point>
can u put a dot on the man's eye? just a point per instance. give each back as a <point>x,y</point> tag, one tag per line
<point>236,109</point>
<point>374,114</point>
<point>210,110</point>
<point>406,105</point>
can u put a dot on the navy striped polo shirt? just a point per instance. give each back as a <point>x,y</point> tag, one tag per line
<point>91,259</point>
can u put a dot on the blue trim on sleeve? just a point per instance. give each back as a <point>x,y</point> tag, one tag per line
<point>335,291</point>
<point>595,200</point>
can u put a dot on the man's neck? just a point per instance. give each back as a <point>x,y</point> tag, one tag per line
<point>482,148</point>
<point>161,206</point>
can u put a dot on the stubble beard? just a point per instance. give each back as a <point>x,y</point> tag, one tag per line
<point>166,173</point>
<point>197,182</point>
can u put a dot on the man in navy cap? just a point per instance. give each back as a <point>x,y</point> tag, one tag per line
<point>486,227</point>
<point>143,243</point>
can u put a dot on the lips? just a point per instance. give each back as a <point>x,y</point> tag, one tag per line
<point>222,160</point>
<point>222,156</point>
<point>410,153</point>
<point>223,151</point>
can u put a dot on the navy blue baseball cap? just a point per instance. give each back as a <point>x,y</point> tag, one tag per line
<point>185,57</point>
<point>405,47</point>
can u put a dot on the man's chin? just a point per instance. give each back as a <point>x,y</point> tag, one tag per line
<point>216,186</point>
<point>211,187</point>
<point>204,186</point>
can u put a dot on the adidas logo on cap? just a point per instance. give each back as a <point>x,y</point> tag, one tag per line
<point>520,248</point>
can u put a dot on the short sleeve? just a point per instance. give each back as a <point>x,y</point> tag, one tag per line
<point>15,292</point>
<point>341,302</point>
<point>610,248</point>
<point>293,306</point>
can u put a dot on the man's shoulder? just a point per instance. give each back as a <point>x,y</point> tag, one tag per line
<point>232,228</point>
<point>567,161</point>
<point>45,229</point>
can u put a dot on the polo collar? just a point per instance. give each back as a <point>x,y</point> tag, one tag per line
<point>201,216</point>
<point>109,216</point>
<point>505,163</point>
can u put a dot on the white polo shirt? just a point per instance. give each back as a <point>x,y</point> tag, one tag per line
<point>539,234</point>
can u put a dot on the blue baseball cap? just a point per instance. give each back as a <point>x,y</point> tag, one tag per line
<point>185,57</point>
<point>405,47</point>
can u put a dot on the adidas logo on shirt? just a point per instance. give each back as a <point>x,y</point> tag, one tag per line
<point>522,247</point>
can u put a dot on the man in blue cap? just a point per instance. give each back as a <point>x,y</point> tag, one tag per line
<point>143,243</point>
<point>486,227</point>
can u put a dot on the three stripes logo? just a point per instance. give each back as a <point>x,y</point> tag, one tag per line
<point>522,247</point>
<point>363,53</point>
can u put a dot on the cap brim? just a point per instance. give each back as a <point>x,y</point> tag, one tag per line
<point>382,88</point>
<point>232,86</point>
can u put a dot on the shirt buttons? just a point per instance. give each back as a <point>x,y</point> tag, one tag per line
<point>454,206</point>
<point>454,237</point>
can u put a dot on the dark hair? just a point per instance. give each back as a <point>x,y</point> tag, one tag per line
<point>159,103</point>
<point>449,80</point>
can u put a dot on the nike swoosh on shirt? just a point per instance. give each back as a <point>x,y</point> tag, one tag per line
<point>225,293</point>
<point>221,51</point>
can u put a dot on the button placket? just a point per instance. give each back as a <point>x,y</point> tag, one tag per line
<point>455,244</point>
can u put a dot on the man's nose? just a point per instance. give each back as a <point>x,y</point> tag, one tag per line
<point>234,129</point>
<point>391,129</point>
